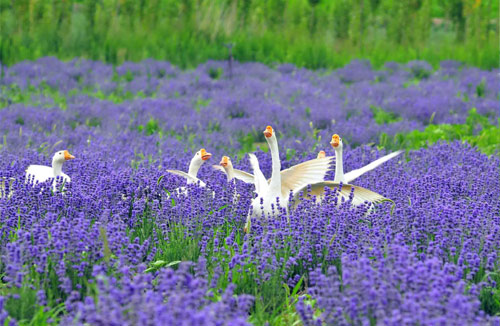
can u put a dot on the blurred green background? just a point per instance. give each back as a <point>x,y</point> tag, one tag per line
<point>310,33</point>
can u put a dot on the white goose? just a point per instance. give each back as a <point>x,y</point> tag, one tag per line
<point>337,145</point>
<point>227,168</point>
<point>194,166</point>
<point>361,195</point>
<point>281,182</point>
<point>41,173</point>
<point>227,165</point>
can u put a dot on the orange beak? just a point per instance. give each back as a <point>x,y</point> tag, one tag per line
<point>68,156</point>
<point>205,155</point>
<point>321,154</point>
<point>335,141</point>
<point>224,162</point>
<point>268,132</point>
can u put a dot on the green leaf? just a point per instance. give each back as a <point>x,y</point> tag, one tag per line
<point>297,286</point>
<point>161,263</point>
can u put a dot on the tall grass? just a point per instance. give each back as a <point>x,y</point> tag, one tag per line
<point>311,33</point>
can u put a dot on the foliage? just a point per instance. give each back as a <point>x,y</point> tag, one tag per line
<point>307,33</point>
<point>477,131</point>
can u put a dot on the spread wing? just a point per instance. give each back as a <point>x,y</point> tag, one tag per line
<point>360,194</point>
<point>188,177</point>
<point>218,167</point>
<point>238,174</point>
<point>259,179</point>
<point>351,175</point>
<point>300,175</point>
<point>243,176</point>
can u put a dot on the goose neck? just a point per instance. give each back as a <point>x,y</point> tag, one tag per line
<point>276,164</point>
<point>194,167</point>
<point>339,167</point>
<point>57,168</point>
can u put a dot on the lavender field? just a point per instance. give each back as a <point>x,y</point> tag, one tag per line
<point>119,246</point>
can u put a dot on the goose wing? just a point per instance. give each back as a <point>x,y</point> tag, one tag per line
<point>238,174</point>
<point>219,168</point>
<point>361,194</point>
<point>188,177</point>
<point>300,175</point>
<point>351,175</point>
<point>244,176</point>
<point>259,179</point>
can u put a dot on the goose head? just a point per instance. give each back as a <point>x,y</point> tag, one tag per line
<point>200,157</point>
<point>61,157</point>
<point>269,132</point>
<point>226,163</point>
<point>321,154</point>
<point>336,142</point>
<point>196,162</point>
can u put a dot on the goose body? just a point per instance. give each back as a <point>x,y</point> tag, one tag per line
<point>277,189</point>
<point>41,173</point>
<point>267,196</point>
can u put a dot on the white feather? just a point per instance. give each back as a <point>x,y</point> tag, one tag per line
<point>351,175</point>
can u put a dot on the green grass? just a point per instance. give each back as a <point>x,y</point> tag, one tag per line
<point>307,33</point>
<point>477,131</point>
<point>382,117</point>
<point>34,95</point>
